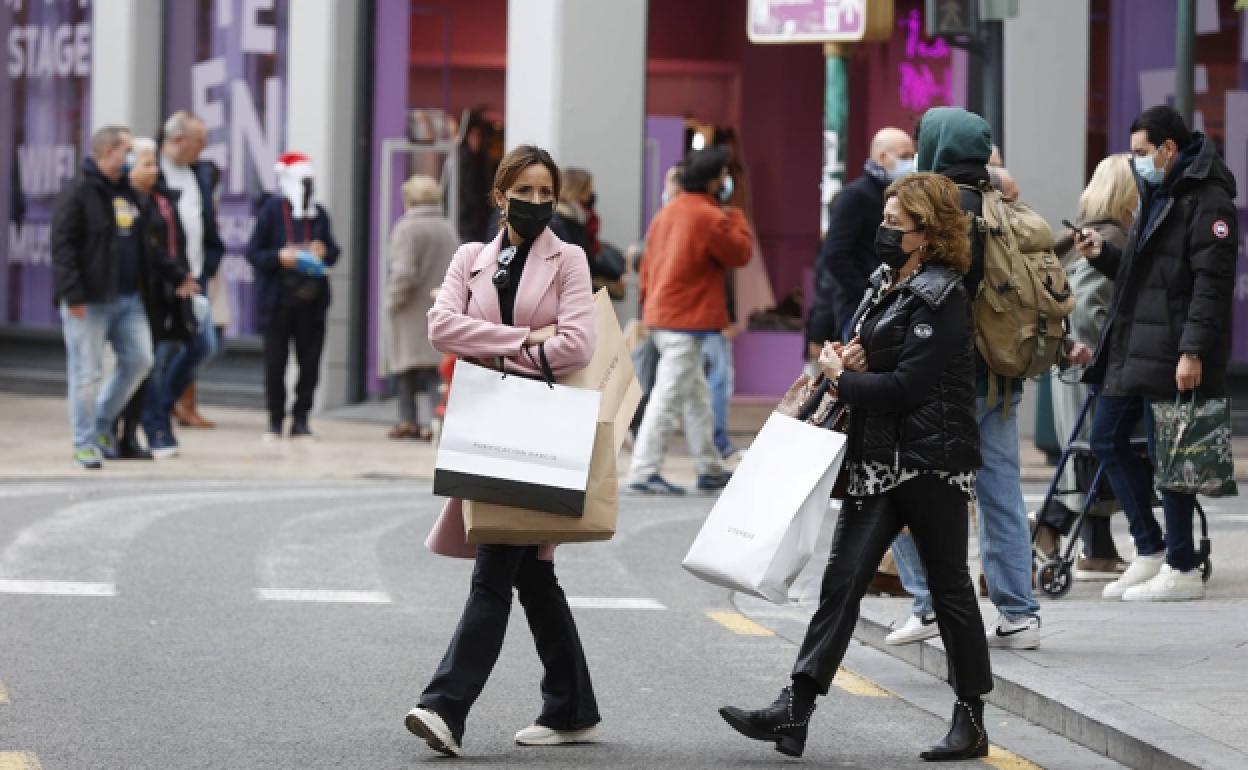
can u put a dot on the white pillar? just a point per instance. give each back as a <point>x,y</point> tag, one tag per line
<point>1046,107</point>
<point>320,104</point>
<point>126,64</point>
<point>576,85</point>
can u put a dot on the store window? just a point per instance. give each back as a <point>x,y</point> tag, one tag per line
<point>44,127</point>
<point>226,61</point>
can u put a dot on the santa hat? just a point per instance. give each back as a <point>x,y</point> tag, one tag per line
<point>293,165</point>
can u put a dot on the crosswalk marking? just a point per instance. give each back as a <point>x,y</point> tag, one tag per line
<point>19,760</point>
<point>855,684</point>
<point>613,603</point>
<point>739,624</point>
<point>318,595</point>
<point>56,588</point>
<point>1003,759</point>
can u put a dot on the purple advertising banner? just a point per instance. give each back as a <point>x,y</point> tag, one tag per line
<point>226,62</point>
<point>1142,75</point>
<point>44,130</point>
<point>791,21</point>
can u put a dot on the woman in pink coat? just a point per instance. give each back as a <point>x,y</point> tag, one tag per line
<point>499,303</point>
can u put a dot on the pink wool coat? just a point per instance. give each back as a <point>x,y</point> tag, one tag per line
<point>466,321</point>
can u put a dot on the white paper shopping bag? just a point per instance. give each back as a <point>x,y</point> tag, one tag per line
<point>763,528</point>
<point>516,441</point>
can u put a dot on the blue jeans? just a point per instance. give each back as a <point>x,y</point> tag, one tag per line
<point>1131,477</point>
<point>910,571</point>
<point>720,375</point>
<point>122,322</point>
<point>1004,536</point>
<point>177,364</point>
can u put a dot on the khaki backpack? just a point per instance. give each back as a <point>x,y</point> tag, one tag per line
<point>1022,304</point>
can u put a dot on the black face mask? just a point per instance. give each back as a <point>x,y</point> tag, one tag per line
<point>529,219</point>
<point>888,246</point>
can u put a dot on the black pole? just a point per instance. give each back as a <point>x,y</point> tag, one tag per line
<point>994,80</point>
<point>1184,65</point>
<point>358,333</point>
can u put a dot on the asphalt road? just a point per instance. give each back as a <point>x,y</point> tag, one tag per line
<point>292,625</point>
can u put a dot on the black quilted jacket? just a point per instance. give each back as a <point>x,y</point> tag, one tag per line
<point>1173,283</point>
<point>915,405</point>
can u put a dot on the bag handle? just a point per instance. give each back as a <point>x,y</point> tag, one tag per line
<point>812,402</point>
<point>548,373</point>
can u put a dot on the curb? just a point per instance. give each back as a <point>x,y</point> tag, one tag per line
<point>1051,699</point>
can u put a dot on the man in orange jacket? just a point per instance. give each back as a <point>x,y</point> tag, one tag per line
<point>692,243</point>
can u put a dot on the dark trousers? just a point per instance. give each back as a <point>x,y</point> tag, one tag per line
<point>1131,476</point>
<point>936,514</point>
<point>302,324</point>
<point>568,701</point>
<point>417,392</point>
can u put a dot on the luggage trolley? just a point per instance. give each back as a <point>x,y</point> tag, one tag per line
<point>1055,577</point>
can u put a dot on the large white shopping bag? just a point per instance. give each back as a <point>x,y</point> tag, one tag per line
<point>763,528</point>
<point>516,441</point>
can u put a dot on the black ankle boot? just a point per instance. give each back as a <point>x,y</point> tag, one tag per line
<point>967,738</point>
<point>776,723</point>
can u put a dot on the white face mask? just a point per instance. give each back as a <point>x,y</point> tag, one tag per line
<point>1146,167</point>
<point>901,167</point>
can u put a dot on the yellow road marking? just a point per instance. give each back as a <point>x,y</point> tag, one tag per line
<point>19,760</point>
<point>1003,759</point>
<point>737,623</point>
<point>858,685</point>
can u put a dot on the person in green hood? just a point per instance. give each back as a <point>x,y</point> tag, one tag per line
<point>958,144</point>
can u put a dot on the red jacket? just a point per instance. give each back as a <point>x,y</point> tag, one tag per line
<point>691,245</point>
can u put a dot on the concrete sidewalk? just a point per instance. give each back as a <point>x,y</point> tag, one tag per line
<point>1150,685</point>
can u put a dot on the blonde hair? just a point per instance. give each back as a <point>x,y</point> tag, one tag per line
<point>936,206</point>
<point>1111,193</point>
<point>142,146</point>
<point>420,189</point>
<point>576,183</point>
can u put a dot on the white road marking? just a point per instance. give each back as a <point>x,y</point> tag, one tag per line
<point>613,603</point>
<point>88,539</point>
<point>332,548</point>
<point>326,596</point>
<point>56,588</point>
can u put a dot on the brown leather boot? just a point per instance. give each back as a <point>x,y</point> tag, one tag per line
<point>186,414</point>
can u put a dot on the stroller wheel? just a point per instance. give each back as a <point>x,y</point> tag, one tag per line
<point>1054,578</point>
<point>1206,569</point>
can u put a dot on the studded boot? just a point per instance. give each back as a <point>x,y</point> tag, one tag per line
<point>776,723</point>
<point>967,737</point>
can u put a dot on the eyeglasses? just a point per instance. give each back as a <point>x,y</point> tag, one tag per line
<point>502,276</point>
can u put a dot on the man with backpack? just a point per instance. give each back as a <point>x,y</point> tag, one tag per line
<point>1020,299</point>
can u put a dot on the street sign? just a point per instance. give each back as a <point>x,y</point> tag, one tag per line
<point>951,18</point>
<point>819,21</point>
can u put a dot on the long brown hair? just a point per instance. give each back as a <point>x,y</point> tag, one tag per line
<point>515,162</point>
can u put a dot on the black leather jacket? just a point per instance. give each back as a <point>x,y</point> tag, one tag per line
<point>914,407</point>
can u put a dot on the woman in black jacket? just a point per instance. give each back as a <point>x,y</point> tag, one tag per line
<point>908,377</point>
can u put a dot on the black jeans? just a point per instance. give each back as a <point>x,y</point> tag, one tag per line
<point>304,325</point>
<point>568,701</point>
<point>936,514</point>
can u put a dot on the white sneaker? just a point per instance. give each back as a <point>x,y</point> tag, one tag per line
<point>916,629</point>
<point>1169,585</point>
<point>1142,570</point>
<point>426,724</point>
<point>1007,634</point>
<point>538,735</point>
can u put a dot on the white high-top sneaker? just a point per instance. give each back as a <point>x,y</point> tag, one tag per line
<point>1169,585</point>
<point>1142,570</point>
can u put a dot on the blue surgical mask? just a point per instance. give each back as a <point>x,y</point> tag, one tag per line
<point>901,168</point>
<point>128,163</point>
<point>725,190</point>
<point>1147,169</point>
